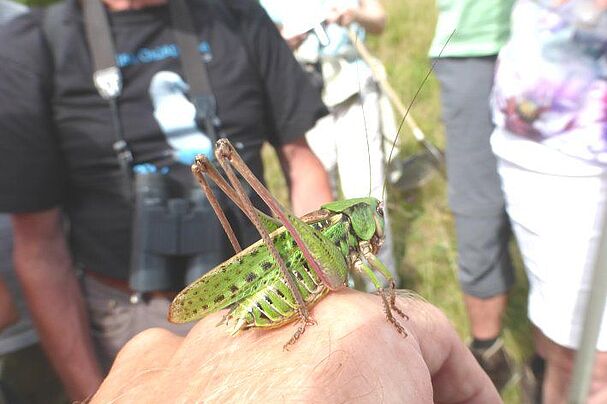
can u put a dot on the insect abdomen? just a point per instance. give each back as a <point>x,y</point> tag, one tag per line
<point>274,305</point>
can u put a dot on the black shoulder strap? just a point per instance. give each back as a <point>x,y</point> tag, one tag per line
<point>194,69</point>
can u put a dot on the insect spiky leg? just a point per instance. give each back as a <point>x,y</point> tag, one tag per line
<point>324,258</point>
<point>376,264</point>
<point>200,168</point>
<point>389,302</point>
<point>229,160</point>
<point>300,330</point>
<point>295,337</point>
<point>393,305</point>
<point>388,310</point>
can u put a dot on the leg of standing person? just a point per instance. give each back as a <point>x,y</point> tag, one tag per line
<point>476,199</point>
<point>559,365</point>
<point>558,231</point>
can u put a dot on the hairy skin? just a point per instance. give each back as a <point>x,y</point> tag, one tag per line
<point>351,355</point>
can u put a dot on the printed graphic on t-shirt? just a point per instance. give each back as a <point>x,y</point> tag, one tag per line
<point>176,116</point>
<point>158,53</point>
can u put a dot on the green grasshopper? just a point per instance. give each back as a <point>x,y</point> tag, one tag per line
<point>294,265</point>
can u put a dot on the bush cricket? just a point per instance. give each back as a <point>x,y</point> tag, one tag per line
<point>297,261</point>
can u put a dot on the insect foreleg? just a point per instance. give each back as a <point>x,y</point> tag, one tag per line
<point>366,250</point>
<point>359,265</point>
<point>379,266</point>
<point>376,264</point>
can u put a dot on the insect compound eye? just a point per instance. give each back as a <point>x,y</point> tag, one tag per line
<point>379,220</point>
<point>380,209</point>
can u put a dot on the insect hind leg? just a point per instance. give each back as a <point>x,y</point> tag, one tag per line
<point>230,161</point>
<point>392,301</point>
<point>201,168</point>
<point>303,323</point>
<point>388,307</point>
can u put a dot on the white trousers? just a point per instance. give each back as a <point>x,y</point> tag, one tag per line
<point>348,142</point>
<point>557,221</point>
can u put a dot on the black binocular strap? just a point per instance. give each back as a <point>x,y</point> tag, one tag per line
<point>194,69</point>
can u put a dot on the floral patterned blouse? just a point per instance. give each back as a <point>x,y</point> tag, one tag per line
<point>550,84</point>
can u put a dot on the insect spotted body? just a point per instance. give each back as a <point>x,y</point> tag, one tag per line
<point>252,286</point>
<point>296,262</point>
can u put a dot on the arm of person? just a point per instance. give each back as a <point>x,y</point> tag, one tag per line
<point>44,268</point>
<point>369,14</point>
<point>308,180</point>
<point>351,354</point>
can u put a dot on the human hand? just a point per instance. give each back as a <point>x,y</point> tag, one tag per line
<point>369,14</point>
<point>343,17</point>
<point>295,42</point>
<point>352,354</point>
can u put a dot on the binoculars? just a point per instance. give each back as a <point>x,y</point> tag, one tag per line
<point>175,239</point>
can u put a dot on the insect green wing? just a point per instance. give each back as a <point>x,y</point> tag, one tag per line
<point>228,283</point>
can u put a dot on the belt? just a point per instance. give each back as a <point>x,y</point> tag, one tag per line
<point>123,286</point>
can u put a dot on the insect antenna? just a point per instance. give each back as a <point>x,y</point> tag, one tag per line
<point>407,111</point>
<point>402,121</point>
<point>355,40</point>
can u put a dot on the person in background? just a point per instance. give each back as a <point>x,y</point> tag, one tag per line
<point>60,170</point>
<point>21,357</point>
<point>549,107</point>
<point>350,141</point>
<point>467,38</point>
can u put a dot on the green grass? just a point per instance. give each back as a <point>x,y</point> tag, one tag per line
<point>422,223</point>
<point>36,3</point>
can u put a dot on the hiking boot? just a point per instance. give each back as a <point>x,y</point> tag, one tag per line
<point>496,363</point>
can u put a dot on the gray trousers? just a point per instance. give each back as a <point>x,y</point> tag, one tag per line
<point>474,189</point>
<point>115,319</point>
